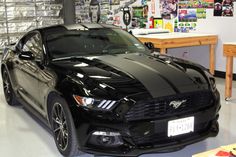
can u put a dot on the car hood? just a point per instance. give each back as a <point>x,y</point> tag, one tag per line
<point>135,74</point>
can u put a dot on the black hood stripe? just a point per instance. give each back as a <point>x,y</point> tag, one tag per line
<point>155,84</point>
<point>175,76</point>
<point>152,69</point>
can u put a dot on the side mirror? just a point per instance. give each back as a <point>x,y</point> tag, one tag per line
<point>26,55</point>
<point>149,45</point>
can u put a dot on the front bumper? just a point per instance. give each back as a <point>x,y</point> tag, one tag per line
<point>143,137</point>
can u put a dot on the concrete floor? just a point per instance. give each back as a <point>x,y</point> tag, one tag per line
<point>22,136</point>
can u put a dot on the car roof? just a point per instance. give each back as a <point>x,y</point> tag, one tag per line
<point>81,26</point>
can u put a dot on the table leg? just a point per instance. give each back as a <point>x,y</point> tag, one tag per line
<point>228,77</point>
<point>212,59</point>
<point>163,50</point>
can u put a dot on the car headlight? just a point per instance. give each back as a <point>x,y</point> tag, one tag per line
<point>211,80</point>
<point>92,103</point>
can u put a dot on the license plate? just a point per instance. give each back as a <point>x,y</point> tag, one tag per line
<point>180,126</point>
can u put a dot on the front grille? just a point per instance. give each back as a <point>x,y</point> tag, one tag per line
<point>160,107</point>
<point>161,138</point>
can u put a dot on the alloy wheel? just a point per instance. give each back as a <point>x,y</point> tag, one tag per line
<point>7,86</point>
<point>59,126</point>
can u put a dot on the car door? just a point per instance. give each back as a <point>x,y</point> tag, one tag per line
<point>26,70</point>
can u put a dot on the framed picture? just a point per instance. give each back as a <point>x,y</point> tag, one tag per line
<point>158,23</point>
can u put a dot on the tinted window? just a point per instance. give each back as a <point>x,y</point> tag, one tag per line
<point>92,42</point>
<point>34,45</point>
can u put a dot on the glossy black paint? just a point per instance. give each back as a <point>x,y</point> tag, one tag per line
<point>126,78</point>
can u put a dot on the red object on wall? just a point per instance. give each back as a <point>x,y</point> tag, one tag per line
<point>151,22</point>
<point>117,20</point>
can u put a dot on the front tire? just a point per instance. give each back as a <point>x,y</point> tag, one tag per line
<point>8,90</point>
<point>63,128</point>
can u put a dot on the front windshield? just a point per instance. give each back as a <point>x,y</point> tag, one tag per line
<point>92,42</point>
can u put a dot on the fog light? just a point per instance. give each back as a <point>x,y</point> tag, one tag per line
<point>106,139</point>
<point>103,133</point>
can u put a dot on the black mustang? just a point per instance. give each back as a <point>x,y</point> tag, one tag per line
<point>102,91</point>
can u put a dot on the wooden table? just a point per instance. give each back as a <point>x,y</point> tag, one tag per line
<point>174,40</point>
<point>229,52</point>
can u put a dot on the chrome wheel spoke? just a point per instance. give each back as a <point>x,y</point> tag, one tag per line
<point>63,140</point>
<point>6,87</point>
<point>59,126</point>
<point>57,129</point>
<point>56,121</point>
<point>57,112</point>
<point>60,138</point>
<point>66,133</point>
<point>57,136</point>
<point>65,128</point>
<point>5,78</point>
<point>61,115</point>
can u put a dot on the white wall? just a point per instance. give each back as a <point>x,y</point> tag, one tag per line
<point>224,27</point>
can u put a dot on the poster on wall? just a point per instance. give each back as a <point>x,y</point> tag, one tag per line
<point>218,8</point>
<point>186,26</point>
<point>144,2</point>
<point>223,8</point>
<point>227,10</point>
<point>187,15</point>
<point>168,24</point>
<point>158,23</point>
<point>117,20</point>
<point>168,8</point>
<point>140,14</point>
<point>184,4</point>
<point>106,15</point>
<point>104,11</point>
<point>82,14</point>
<point>201,13</point>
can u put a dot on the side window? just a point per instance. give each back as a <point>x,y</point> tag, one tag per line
<point>34,45</point>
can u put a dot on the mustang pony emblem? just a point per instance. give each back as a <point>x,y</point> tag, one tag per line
<point>177,104</point>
